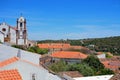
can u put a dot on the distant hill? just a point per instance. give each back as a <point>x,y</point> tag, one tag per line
<point>108,44</point>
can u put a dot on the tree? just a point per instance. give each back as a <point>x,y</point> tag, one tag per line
<point>19,46</point>
<point>58,67</point>
<point>105,71</point>
<point>93,62</point>
<point>84,69</point>
<point>36,49</point>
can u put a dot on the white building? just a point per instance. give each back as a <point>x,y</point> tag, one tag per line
<point>101,56</point>
<point>14,35</point>
<point>1,37</point>
<point>27,64</point>
<point>102,77</point>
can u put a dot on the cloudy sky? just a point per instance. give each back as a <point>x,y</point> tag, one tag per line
<point>64,19</point>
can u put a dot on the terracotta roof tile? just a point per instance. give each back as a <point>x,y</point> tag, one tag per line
<point>8,61</point>
<point>69,54</point>
<point>53,45</point>
<point>113,65</point>
<point>10,75</point>
<point>116,77</point>
<point>15,28</point>
<point>58,46</point>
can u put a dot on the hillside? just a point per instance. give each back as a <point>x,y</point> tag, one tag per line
<point>108,44</point>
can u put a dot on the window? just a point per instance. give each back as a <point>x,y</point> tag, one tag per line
<point>29,45</point>
<point>33,76</point>
<point>4,29</point>
<point>20,24</point>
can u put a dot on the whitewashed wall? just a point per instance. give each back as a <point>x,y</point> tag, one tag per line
<point>1,37</point>
<point>101,56</point>
<point>13,36</point>
<point>4,25</point>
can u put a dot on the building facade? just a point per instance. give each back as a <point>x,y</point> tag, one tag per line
<point>14,35</point>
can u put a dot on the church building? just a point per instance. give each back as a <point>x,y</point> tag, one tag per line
<point>14,35</point>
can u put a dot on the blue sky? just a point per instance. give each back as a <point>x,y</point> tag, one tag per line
<point>64,19</point>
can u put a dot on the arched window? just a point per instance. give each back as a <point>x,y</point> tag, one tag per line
<point>21,24</point>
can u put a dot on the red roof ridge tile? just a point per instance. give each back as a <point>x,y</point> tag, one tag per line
<point>8,61</point>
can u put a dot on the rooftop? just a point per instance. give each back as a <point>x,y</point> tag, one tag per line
<point>26,69</point>
<point>116,77</point>
<point>12,74</point>
<point>7,52</point>
<point>8,61</point>
<point>69,54</point>
<point>53,45</point>
<point>113,65</point>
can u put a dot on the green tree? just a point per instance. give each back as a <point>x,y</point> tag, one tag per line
<point>93,62</point>
<point>19,46</point>
<point>105,71</point>
<point>58,67</point>
<point>36,49</point>
<point>84,69</point>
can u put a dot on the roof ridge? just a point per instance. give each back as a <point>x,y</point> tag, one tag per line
<point>30,63</point>
<point>8,61</point>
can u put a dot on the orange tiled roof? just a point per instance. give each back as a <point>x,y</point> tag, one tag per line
<point>98,53</point>
<point>114,65</point>
<point>69,54</point>
<point>116,77</point>
<point>8,61</point>
<point>53,45</point>
<point>15,28</point>
<point>10,75</point>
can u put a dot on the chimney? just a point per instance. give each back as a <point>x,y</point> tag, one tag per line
<point>19,53</point>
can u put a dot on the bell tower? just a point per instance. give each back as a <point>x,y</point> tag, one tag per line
<point>21,31</point>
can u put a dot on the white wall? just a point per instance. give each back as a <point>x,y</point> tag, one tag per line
<point>13,36</point>
<point>4,25</point>
<point>1,37</point>
<point>20,41</point>
<point>101,56</point>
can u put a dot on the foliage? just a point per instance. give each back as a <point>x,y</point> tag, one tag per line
<point>84,69</point>
<point>19,46</point>
<point>105,71</point>
<point>88,67</point>
<point>36,49</point>
<point>58,67</point>
<point>52,41</point>
<point>109,44</point>
<point>108,56</point>
<point>93,62</point>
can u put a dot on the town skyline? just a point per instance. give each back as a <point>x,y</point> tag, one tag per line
<point>64,19</point>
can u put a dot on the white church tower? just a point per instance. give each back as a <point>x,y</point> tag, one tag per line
<point>21,31</point>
